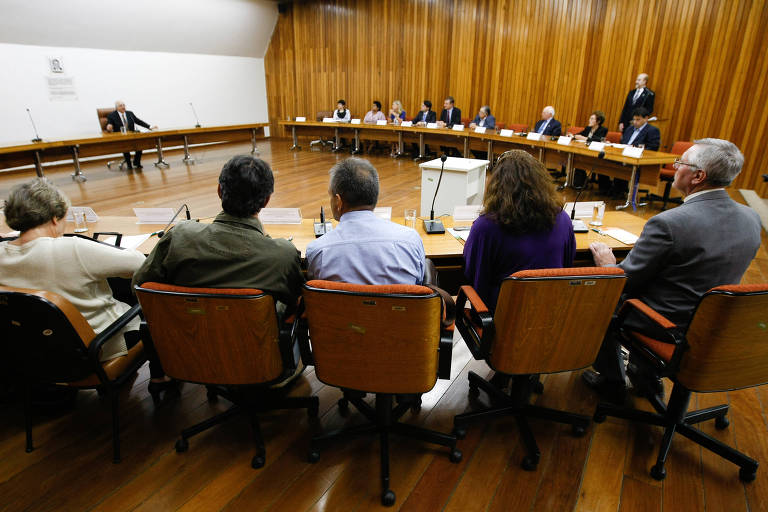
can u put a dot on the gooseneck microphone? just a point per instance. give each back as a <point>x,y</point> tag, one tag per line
<point>165,229</point>
<point>578,195</point>
<point>34,128</point>
<point>194,113</point>
<point>432,226</point>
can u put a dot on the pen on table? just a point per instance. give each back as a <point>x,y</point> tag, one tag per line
<point>462,228</point>
<point>597,231</point>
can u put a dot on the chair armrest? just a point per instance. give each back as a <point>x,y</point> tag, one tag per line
<point>647,311</point>
<point>94,347</point>
<point>659,328</point>
<point>445,355</point>
<point>480,317</point>
<point>301,328</point>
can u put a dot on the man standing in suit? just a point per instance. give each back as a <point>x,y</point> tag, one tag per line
<point>640,96</point>
<point>450,114</point>
<point>548,125</point>
<point>125,118</point>
<point>640,132</point>
<point>707,241</point>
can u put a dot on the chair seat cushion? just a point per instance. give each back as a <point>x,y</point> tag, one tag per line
<point>667,174</point>
<point>114,368</point>
<point>661,349</point>
<point>163,287</point>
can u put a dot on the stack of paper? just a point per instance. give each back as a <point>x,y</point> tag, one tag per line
<point>153,215</point>
<point>621,235</point>
<point>461,234</point>
<point>467,212</point>
<point>90,215</point>
<point>127,242</point>
<point>584,209</point>
<point>280,216</point>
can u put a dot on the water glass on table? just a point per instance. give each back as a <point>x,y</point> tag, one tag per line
<point>597,214</point>
<point>410,217</point>
<point>80,225</point>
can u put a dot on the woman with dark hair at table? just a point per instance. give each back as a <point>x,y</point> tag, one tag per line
<point>522,226</point>
<point>75,268</point>
<point>594,129</point>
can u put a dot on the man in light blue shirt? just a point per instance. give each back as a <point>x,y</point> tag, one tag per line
<point>363,248</point>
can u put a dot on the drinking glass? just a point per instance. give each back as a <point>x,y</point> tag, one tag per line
<point>597,214</point>
<point>80,225</point>
<point>410,217</point>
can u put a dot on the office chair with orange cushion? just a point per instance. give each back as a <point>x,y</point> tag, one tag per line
<point>574,130</point>
<point>46,340</point>
<point>382,339</point>
<point>613,137</point>
<point>517,127</point>
<point>667,175</point>
<point>546,321</point>
<point>229,340</point>
<point>725,348</point>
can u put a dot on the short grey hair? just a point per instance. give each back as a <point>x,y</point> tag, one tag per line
<point>550,109</point>
<point>118,103</point>
<point>721,160</point>
<point>34,203</point>
<point>486,109</point>
<point>356,181</point>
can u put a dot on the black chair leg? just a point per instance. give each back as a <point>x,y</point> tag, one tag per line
<point>387,494</point>
<point>182,444</point>
<point>748,464</point>
<point>657,471</point>
<point>28,416</point>
<point>261,453</point>
<point>709,413</point>
<point>113,398</point>
<point>531,460</point>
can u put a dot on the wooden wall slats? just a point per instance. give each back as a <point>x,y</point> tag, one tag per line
<point>707,60</point>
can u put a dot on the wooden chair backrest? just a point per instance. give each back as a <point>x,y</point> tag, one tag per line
<point>553,320</point>
<point>44,337</point>
<point>378,339</point>
<point>678,148</point>
<point>574,130</point>
<point>517,127</point>
<point>322,114</point>
<point>213,336</point>
<point>102,114</point>
<point>727,340</point>
<point>613,137</point>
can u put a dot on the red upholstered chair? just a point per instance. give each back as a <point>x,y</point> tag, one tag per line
<point>724,348</point>
<point>667,175</point>
<point>574,130</point>
<point>229,340</point>
<point>466,120</point>
<point>46,340</point>
<point>500,126</point>
<point>546,321</point>
<point>613,137</point>
<point>517,127</point>
<point>388,340</point>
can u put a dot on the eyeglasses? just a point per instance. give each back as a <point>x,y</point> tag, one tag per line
<point>679,162</point>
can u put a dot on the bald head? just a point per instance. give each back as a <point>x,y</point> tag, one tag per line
<point>641,80</point>
<point>120,106</point>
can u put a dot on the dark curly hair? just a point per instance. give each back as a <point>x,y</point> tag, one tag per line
<point>246,183</point>
<point>520,194</point>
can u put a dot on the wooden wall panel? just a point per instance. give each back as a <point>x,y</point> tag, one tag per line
<point>706,59</point>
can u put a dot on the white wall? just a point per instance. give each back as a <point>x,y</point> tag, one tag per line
<point>156,86</point>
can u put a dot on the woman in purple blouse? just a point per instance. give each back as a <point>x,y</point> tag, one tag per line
<point>522,226</point>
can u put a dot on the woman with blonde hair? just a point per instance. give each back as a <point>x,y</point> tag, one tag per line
<point>522,226</point>
<point>396,116</point>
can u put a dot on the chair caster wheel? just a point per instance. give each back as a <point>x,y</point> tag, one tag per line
<point>182,445</point>
<point>343,406</point>
<point>530,463</point>
<point>474,391</point>
<point>388,498</point>
<point>257,461</point>
<point>747,474</point>
<point>455,456</point>
<point>212,395</point>
<point>599,417</point>
<point>658,472</point>
<point>579,430</point>
<point>314,456</point>
<point>460,432</point>
<point>722,422</point>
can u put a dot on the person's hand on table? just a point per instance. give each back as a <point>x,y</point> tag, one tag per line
<point>602,254</point>
<point>472,126</point>
<point>109,127</point>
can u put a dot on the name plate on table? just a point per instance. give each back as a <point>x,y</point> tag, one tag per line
<point>381,122</point>
<point>479,129</point>
<point>354,121</point>
<point>406,124</point>
<point>431,125</point>
<point>383,212</point>
<point>564,140</point>
<point>301,119</point>
<point>328,120</point>
<point>458,128</point>
<point>533,136</point>
<point>466,212</point>
<point>154,215</point>
<point>90,215</point>
<point>507,133</point>
<point>632,152</point>
<point>280,216</point>
<point>597,146</point>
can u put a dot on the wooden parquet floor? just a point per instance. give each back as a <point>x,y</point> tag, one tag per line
<point>606,470</point>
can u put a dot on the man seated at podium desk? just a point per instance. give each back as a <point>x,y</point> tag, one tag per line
<point>425,116</point>
<point>121,118</point>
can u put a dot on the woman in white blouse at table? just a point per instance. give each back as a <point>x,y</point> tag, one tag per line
<point>373,115</point>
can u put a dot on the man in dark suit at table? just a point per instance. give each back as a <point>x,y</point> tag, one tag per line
<point>125,118</point>
<point>640,96</point>
<point>426,115</point>
<point>640,132</point>
<point>548,125</point>
<point>450,115</point>
<point>707,241</point>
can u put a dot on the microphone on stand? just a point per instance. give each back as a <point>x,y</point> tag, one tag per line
<point>195,114</point>
<point>37,137</point>
<point>165,229</point>
<point>432,226</point>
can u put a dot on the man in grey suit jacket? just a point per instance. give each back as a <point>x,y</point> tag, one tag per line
<point>707,241</point>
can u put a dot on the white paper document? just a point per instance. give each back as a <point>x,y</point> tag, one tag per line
<point>621,235</point>
<point>384,212</point>
<point>460,234</point>
<point>467,212</point>
<point>154,215</point>
<point>90,215</point>
<point>584,209</point>
<point>506,133</point>
<point>127,241</point>
<point>280,216</point>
